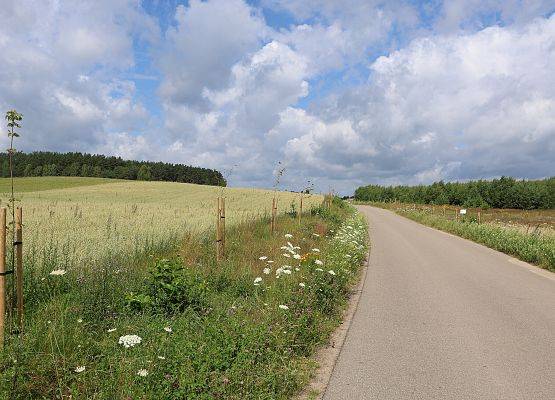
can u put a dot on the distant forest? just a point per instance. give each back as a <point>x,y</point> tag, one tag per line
<point>498,193</point>
<point>44,163</point>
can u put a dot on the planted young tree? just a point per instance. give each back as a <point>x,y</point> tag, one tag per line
<point>14,118</point>
<point>306,190</point>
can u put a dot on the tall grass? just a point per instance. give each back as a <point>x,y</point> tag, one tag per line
<point>207,329</point>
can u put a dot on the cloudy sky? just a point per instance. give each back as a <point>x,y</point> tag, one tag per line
<point>341,92</point>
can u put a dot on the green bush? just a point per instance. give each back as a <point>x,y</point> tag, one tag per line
<point>170,288</point>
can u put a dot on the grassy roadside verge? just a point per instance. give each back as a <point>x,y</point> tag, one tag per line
<point>241,329</point>
<point>529,247</point>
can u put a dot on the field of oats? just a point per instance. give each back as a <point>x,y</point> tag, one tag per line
<point>82,220</point>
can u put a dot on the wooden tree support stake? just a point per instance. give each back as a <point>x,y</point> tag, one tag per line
<point>273,215</point>
<point>220,229</point>
<point>479,217</point>
<point>19,265</point>
<point>300,210</point>
<point>2,274</point>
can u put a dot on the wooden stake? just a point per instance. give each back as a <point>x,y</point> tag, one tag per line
<point>2,276</point>
<point>300,210</point>
<point>19,265</point>
<point>479,217</point>
<point>222,227</point>
<point>218,230</point>
<point>273,217</point>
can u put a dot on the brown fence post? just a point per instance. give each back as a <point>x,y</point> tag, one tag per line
<point>218,230</point>
<point>2,274</point>
<point>479,217</point>
<point>19,265</point>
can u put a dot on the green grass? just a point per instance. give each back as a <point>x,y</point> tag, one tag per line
<point>49,182</point>
<point>230,339</point>
<point>529,247</point>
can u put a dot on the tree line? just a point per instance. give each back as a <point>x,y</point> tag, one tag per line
<point>505,192</point>
<point>45,163</point>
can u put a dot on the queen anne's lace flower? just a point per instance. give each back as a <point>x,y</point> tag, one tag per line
<point>257,280</point>
<point>58,272</point>
<point>129,340</point>
<point>142,372</point>
<point>283,307</point>
<point>80,368</point>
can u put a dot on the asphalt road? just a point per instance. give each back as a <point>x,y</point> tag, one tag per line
<point>441,317</point>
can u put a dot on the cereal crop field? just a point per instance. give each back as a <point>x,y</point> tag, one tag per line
<point>84,219</point>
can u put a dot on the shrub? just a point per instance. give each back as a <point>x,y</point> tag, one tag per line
<point>170,288</point>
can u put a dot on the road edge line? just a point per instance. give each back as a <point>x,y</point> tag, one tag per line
<point>327,356</point>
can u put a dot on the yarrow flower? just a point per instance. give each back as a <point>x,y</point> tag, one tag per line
<point>266,271</point>
<point>315,250</point>
<point>257,280</point>
<point>331,272</point>
<point>297,256</point>
<point>318,262</point>
<point>283,307</point>
<point>79,320</point>
<point>302,284</point>
<point>161,357</point>
<point>142,372</point>
<point>80,368</point>
<point>286,255</point>
<point>129,340</point>
<point>262,258</point>
<point>168,329</point>
<point>288,236</point>
<point>111,330</point>
<point>58,272</point>
<point>319,269</point>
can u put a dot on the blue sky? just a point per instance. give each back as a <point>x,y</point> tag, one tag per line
<point>342,93</point>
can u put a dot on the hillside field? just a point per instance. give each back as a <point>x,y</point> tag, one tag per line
<point>84,219</point>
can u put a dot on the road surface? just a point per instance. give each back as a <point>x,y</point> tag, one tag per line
<point>441,317</point>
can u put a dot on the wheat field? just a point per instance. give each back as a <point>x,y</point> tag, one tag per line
<point>82,224</point>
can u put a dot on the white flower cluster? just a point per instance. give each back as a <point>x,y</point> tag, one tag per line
<point>129,340</point>
<point>350,241</point>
